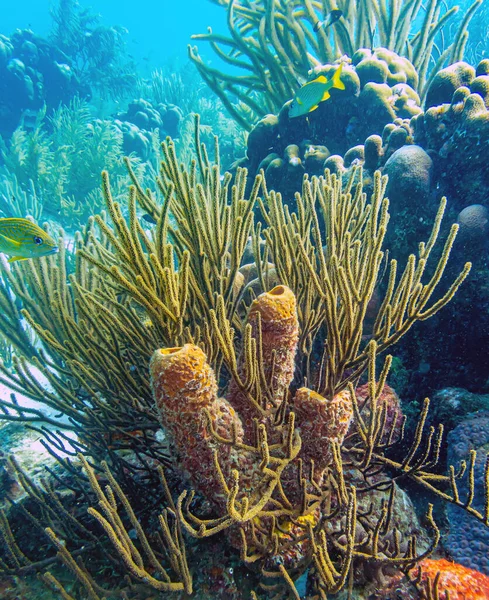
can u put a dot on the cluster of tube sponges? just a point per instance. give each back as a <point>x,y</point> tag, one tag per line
<point>186,394</point>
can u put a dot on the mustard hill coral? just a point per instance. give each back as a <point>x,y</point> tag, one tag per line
<point>442,147</point>
<point>446,81</point>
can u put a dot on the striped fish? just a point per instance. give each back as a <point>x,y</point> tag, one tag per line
<point>22,239</point>
<point>311,94</point>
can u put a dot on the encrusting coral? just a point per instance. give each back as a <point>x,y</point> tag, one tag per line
<point>466,541</point>
<point>247,387</point>
<point>452,580</point>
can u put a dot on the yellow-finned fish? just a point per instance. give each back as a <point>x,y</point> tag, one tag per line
<point>312,93</point>
<point>21,239</point>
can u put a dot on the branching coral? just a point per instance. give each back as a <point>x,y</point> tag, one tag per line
<point>16,202</point>
<point>49,161</point>
<point>274,45</point>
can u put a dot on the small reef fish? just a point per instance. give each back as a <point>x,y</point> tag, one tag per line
<point>311,94</point>
<point>22,239</point>
<point>333,16</point>
<point>149,219</point>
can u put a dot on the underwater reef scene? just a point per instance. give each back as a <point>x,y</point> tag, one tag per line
<point>244,306</point>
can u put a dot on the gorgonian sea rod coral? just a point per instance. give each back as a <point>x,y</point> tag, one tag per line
<point>263,341</point>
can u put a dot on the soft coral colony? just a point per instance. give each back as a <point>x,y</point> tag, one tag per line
<point>293,461</point>
<point>238,327</point>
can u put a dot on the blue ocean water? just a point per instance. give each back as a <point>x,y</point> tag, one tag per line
<point>158,30</point>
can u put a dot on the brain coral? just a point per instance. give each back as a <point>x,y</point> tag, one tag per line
<point>474,223</point>
<point>410,173</point>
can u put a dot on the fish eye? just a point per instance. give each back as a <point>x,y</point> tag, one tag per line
<point>38,240</point>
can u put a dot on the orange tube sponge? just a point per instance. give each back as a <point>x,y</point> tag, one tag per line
<point>277,311</point>
<point>321,422</point>
<point>184,385</point>
<point>280,333</point>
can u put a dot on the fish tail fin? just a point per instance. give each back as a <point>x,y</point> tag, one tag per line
<point>337,83</point>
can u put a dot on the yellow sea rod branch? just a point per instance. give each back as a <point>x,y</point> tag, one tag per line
<point>213,223</point>
<point>70,562</point>
<point>334,287</point>
<point>125,546</point>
